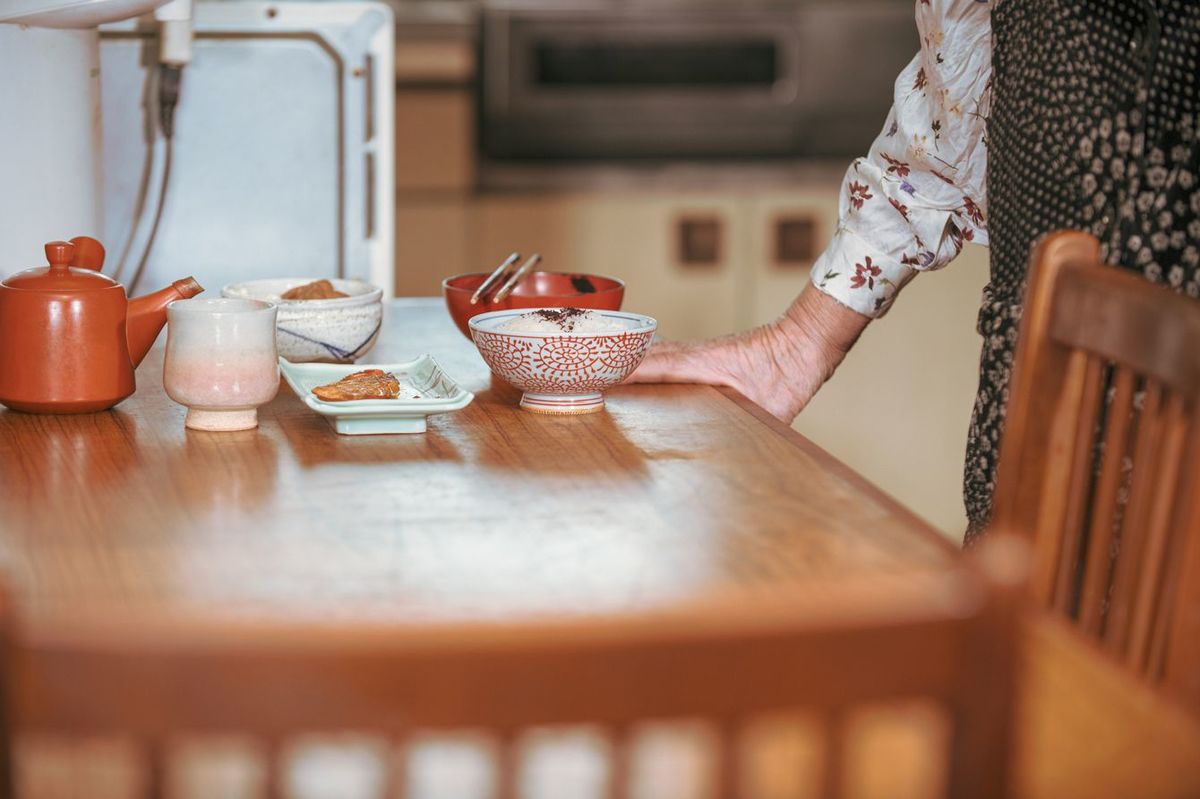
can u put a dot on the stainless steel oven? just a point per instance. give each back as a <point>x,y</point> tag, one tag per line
<point>656,78</point>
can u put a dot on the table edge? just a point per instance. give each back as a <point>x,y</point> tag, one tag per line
<point>842,470</point>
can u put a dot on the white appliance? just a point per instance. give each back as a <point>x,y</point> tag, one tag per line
<point>50,170</point>
<point>282,158</point>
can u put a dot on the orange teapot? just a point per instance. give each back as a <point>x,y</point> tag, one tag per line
<point>69,337</point>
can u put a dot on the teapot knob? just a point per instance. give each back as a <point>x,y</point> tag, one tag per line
<point>59,254</point>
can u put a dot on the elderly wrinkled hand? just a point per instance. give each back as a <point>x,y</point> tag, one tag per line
<point>778,366</point>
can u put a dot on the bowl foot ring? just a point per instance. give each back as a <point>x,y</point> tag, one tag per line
<point>562,404</point>
<point>222,421</point>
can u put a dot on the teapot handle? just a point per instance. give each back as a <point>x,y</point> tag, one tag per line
<point>89,253</point>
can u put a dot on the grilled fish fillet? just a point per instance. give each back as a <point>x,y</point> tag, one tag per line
<point>367,384</point>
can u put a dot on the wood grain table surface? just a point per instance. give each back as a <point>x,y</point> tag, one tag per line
<point>496,511</point>
<point>673,492</point>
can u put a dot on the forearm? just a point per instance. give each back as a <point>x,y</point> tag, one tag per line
<point>816,328</point>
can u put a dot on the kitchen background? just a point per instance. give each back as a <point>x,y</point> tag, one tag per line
<point>559,128</point>
<point>693,148</point>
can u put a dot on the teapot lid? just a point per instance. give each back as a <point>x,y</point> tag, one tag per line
<point>60,275</point>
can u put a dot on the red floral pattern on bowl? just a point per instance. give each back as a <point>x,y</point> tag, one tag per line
<point>562,373</point>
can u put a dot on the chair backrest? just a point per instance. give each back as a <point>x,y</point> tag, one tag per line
<point>1100,461</point>
<point>946,636</point>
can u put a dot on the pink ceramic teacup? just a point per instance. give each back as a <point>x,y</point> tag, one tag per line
<point>221,361</point>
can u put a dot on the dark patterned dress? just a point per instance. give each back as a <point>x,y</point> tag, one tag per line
<point>1093,127</point>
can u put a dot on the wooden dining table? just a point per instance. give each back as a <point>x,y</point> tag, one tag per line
<point>673,492</point>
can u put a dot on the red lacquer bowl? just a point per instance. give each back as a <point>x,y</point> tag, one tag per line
<point>536,290</point>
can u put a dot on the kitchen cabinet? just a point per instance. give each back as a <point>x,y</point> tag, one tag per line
<point>777,270</point>
<point>434,239</point>
<point>434,156</point>
<point>435,140</point>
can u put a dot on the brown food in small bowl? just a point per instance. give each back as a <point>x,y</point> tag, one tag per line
<point>317,290</point>
<point>536,290</point>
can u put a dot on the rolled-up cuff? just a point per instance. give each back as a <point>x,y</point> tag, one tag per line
<point>859,276</point>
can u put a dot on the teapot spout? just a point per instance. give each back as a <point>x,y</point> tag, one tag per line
<point>147,315</point>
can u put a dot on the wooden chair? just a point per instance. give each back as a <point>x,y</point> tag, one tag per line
<point>945,636</point>
<point>1107,379</point>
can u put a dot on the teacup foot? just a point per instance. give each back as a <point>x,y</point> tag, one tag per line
<point>563,404</point>
<point>221,421</point>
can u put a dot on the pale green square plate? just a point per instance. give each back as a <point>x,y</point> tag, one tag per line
<point>424,390</point>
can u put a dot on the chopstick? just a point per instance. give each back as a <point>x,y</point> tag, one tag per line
<point>508,287</point>
<point>487,284</point>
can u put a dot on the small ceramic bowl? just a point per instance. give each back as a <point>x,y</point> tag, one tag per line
<point>220,361</point>
<point>340,330</point>
<point>562,373</point>
<point>536,290</point>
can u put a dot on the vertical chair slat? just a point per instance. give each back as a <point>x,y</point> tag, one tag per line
<point>395,780</point>
<point>275,771</point>
<point>507,765</point>
<point>729,759</point>
<point>1148,439</point>
<point>619,759</point>
<point>1157,648</point>
<point>833,761</point>
<point>1148,590</point>
<point>1177,580</point>
<point>156,769</point>
<point>1181,661</point>
<point>1051,520</point>
<point>1098,569</point>
<point>1085,394</point>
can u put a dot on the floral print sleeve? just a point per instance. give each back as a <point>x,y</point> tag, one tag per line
<point>909,205</point>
